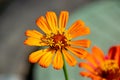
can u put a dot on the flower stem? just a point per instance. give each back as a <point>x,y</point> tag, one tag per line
<point>65,70</point>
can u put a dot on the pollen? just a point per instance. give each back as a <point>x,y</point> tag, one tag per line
<point>110,70</point>
<point>56,41</point>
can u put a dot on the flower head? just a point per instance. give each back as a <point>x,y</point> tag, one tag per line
<point>100,67</point>
<point>58,40</point>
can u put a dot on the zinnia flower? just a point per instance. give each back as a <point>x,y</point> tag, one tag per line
<point>100,67</point>
<point>58,40</point>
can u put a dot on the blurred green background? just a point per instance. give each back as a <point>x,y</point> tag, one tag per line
<point>16,16</point>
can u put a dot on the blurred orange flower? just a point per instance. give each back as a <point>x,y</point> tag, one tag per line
<point>58,40</point>
<point>100,67</point>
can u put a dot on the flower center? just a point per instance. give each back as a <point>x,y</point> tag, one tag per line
<point>56,41</point>
<point>110,70</point>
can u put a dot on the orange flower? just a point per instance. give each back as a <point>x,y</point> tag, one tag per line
<point>100,67</point>
<point>58,40</point>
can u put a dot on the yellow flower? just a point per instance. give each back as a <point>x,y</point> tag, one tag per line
<point>58,40</point>
<point>100,67</point>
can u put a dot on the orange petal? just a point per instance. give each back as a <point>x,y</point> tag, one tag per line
<point>80,32</point>
<point>81,53</point>
<point>34,34</point>
<point>35,56</point>
<point>76,25</point>
<point>69,58</point>
<point>34,42</point>
<point>84,43</point>
<point>91,60</point>
<point>88,74</point>
<point>52,21</point>
<point>87,67</point>
<point>43,25</point>
<point>98,54</point>
<point>78,29</point>
<point>63,19</point>
<point>46,59</point>
<point>58,60</point>
<point>114,53</point>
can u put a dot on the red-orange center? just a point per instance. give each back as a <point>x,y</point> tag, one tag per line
<point>110,70</point>
<point>59,41</point>
<point>59,37</point>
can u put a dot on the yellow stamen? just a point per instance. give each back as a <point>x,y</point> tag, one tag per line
<point>110,65</point>
<point>110,70</point>
<point>56,41</point>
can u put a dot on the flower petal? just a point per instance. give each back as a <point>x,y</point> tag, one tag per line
<point>46,59</point>
<point>87,67</point>
<point>81,53</point>
<point>69,58</point>
<point>78,29</point>
<point>34,42</point>
<point>52,21</point>
<point>35,56</point>
<point>84,43</point>
<point>91,60</point>
<point>58,60</point>
<point>88,74</point>
<point>114,53</point>
<point>98,54</point>
<point>63,19</point>
<point>43,25</point>
<point>34,34</point>
<point>76,25</point>
<point>80,32</point>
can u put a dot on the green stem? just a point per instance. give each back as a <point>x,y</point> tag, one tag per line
<point>65,70</point>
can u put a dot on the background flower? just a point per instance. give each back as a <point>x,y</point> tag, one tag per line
<point>100,67</point>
